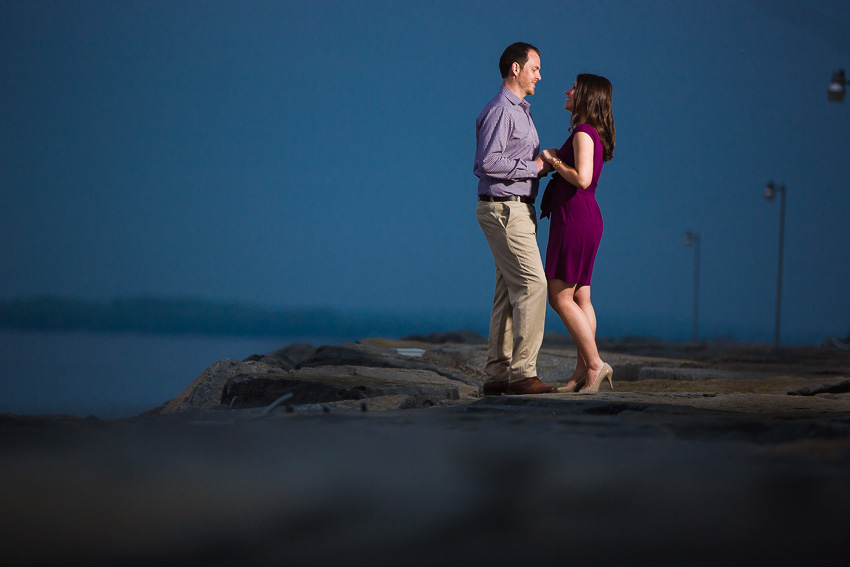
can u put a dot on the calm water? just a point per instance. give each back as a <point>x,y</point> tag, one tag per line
<point>112,376</point>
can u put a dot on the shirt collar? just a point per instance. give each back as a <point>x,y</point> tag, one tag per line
<point>512,98</point>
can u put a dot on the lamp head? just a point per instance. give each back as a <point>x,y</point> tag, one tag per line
<point>837,88</point>
<point>769,191</point>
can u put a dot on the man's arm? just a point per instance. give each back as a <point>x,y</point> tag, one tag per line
<point>493,135</point>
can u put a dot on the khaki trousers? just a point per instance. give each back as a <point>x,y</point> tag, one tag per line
<point>519,302</point>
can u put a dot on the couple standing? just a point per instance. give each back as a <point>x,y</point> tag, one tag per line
<point>509,165</point>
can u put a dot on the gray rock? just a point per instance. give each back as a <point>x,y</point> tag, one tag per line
<point>321,385</point>
<point>372,357</point>
<point>252,391</point>
<point>661,373</point>
<point>277,361</point>
<point>205,391</point>
<point>285,358</point>
<point>553,367</point>
<point>463,337</point>
<point>842,388</point>
<point>352,354</point>
<point>297,352</point>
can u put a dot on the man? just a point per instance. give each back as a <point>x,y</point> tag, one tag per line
<point>508,165</point>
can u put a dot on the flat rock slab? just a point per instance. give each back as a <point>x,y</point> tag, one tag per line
<point>331,384</point>
<point>355,375</point>
<point>369,356</point>
<point>772,406</point>
<point>761,419</point>
<point>666,373</point>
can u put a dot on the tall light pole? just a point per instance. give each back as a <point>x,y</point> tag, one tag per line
<point>770,191</point>
<point>694,238</point>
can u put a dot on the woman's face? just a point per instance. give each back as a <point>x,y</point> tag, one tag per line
<point>570,105</point>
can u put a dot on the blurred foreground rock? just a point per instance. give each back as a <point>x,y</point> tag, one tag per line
<point>702,455</point>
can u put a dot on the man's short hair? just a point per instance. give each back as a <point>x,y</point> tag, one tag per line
<point>515,53</point>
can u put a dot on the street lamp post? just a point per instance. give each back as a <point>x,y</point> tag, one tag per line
<point>770,191</point>
<point>694,238</point>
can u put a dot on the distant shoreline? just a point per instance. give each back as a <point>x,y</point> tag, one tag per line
<point>181,316</point>
<point>157,315</point>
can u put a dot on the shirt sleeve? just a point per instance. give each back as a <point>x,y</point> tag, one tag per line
<point>493,135</point>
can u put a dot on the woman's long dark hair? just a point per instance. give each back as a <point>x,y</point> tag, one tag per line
<point>593,106</point>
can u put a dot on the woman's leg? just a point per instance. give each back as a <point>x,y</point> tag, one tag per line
<point>582,298</point>
<point>581,295</point>
<point>572,304</point>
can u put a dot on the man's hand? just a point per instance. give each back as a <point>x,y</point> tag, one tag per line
<point>543,166</point>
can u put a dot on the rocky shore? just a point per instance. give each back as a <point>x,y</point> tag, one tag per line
<point>383,452</point>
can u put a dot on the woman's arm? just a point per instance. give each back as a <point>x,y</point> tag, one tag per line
<point>582,174</point>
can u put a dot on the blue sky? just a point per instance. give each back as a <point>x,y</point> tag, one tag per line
<point>320,154</point>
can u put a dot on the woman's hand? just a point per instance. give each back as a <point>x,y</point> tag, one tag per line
<point>550,154</point>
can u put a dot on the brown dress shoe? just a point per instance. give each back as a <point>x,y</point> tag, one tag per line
<point>530,386</point>
<point>495,388</point>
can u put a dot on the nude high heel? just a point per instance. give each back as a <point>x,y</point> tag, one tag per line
<point>606,372</point>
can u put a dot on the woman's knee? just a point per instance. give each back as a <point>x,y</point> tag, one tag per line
<point>561,300</point>
<point>582,295</point>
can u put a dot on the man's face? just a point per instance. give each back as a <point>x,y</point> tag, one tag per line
<point>529,74</point>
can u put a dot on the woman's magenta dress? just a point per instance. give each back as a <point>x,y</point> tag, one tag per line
<point>575,229</point>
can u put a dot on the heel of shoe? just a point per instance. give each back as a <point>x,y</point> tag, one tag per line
<point>606,373</point>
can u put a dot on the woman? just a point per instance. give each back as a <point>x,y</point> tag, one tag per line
<point>576,223</point>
